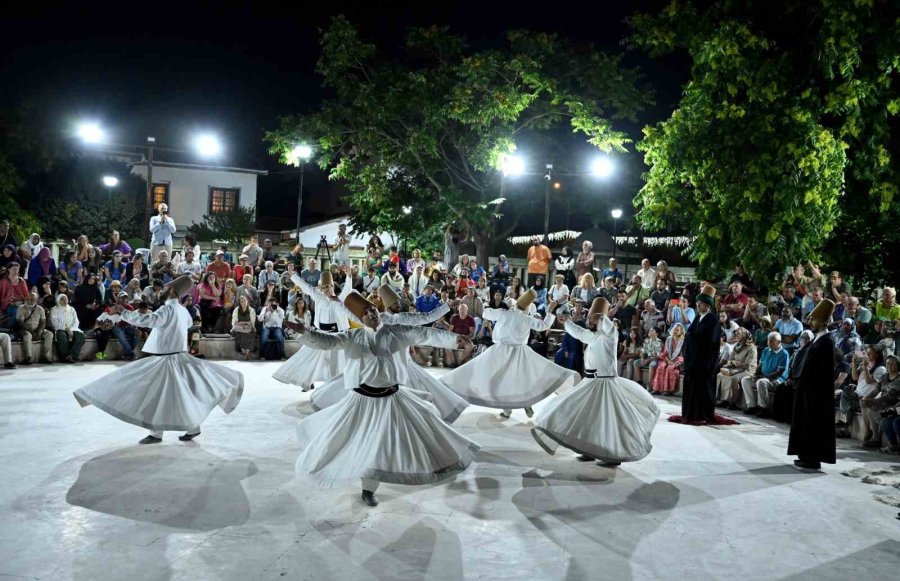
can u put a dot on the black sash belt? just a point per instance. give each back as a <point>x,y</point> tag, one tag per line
<point>328,327</point>
<point>161,354</point>
<point>592,374</point>
<point>369,391</point>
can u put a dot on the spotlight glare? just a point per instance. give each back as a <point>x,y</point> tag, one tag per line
<point>110,181</point>
<point>208,145</point>
<point>602,167</point>
<point>91,133</point>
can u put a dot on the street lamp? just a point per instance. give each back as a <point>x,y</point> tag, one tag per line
<point>616,214</point>
<point>208,145</point>
<point>407,210</point>
<point>110,181</point>
<point>299,156</point>
<point>512,165</point>
<point>91,133</point>
<point>602,167</point>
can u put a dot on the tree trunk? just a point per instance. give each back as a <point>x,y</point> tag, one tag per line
<point>482,248</point>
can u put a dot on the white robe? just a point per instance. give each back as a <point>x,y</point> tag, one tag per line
<point>309,365</point>
<point>411,374</point>
<point>510,374</point>
<point>606,417</point>
<point>398,438</point>
<point>170,389</point>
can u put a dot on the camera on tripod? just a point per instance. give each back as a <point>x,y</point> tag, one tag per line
<point>323,242</point>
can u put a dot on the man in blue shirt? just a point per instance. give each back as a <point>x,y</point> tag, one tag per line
<point>427,302</point>
<point>772,371</point>
<point>613,272</point>
<point>790,329</point>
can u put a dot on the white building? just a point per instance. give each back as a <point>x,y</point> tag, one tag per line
<point>192,191</point>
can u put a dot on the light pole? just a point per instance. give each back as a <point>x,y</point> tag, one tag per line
<point>548,178</point>
<point>299,156</point>
<point>616,214</point>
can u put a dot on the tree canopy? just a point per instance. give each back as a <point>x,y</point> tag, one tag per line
<point>785,137</point>
<point>232,227</point>
<point>429,128</point>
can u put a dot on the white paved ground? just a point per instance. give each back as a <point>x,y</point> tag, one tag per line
<point>80,500</point>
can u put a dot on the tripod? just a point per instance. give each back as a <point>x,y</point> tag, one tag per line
<point>323,245</point>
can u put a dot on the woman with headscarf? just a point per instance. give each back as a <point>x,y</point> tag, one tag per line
<point>9,256</point>
<point>88,301</point>
<point>34,244</point>
<point>540,302</point>
<point>742,364</point>
<point>846,339</point>
<point>68,335</point>
<point>669,363</point>
<point>565,265</point>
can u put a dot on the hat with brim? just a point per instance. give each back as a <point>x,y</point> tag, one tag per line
<point>325,279</point>
<point>526,299</point>
<point>600,306</point>
<point>823,311</point>
<point>182,285</point>
<point>388,296</point>
<point>708,296</point>
<point>357,304</point>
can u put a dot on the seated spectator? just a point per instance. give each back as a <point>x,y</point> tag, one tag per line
<point>783,400</point>
<point>734,304</point>
<point>888,405</point>
<point>153,294</point>
<point>473,305</point>
<point>841,310</point>
<point>463,263</point>
<point>461,324</point>
<point>210,302</point>
<point>94,263</point>
<point>887,307</point>
<point>741,364</point>
<point>243,267</point>
<point>268,274</point>
<point>514,291</point>
<point>88,302</point>
<point>136,269</point>
<point>613,272</point>
<point>500,277</point>
<point>570,353</point>
<point>428,301</point>
<point>761,334</point>
<point>190,245</point>
<point>6,349</point>
<point>270,292</point>
<point>810,301</point>
<point>876,333</point>
<point>476,272</point>
<point>418,281</point>
<point>462,284</point>
<point>680,313</point>
<point>272,344</point>
<point>393,278</point>
<point>836,287</point>
<point>624,313</point>
<point>243,326</point>
<point>435,265</point>
<point>109,297</point>
<point>540,303</point>
<point>70,269</point>
<point>651,318</point>
<point>558,294</point>
<point>9,256</point>
<point>772,371</point>
<point>67,332</point>
<point>846,339</point>
<point>193,333</point>
<point>661,296</point>
<point>135,293</point>
<point>846,404</point>
<point>112,325</point>
<point>34,244</point>
<point>651,348</point>
<point>190,266</point>
<point>31,323</point>
<point>725,350</point>
<point>482,290</point>
<point>13,293</point>
<point>220,268</point>
<point>41,266</point>
<point>788,328</point>
<point>636,294</point>
<point>788,298</point>
<point>860,314</point>
<point>247,289</point>
<point>866,371</point>
<point>298,313</point>
<point>663,273</point>
<point>289,271</point>
<point>729,327</point>
<point>669,364</point>
<point>585,290</point>
<point>116,244</point>
<point>114,269</point>
<point>629,352</point>
<point>609,291</point>
<point>740,275</point>
<point>407,300</point>
<point>269,252</point>
<point>371,281</point>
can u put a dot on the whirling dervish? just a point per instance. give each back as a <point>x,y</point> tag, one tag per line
<point>170,389</point>
<point>509,374</point>
<point>379,432</point>
<point>605,417</point>
<point>411,374</point>
<point>308,365</point>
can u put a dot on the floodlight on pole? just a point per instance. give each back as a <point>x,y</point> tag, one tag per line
<point>208,145</point>
<point>512,165</point>
<point>91,133</point>
<point>300,154</point>
<point>407,209</point>
<point>110,181</point>
<point>616,214</point>
<point>602,167</point>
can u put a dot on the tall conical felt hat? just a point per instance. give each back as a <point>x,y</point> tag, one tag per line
<point>708,295</point>
<point>326,279</point>
<point>182,285</point>
<point>357,304</point>
<point>600,306</point>
<point>823,311</point>
<point>388,295</point>
<point>526,299</point>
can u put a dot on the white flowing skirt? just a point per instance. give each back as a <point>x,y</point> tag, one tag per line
<point>608,418</point>
<point>165,392</point>
<point>448,404</point>
<point>398,439</point>
<point>309,365</point>
<point>508,376</point>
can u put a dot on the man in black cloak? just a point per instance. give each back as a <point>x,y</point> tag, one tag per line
<point>701,353</point>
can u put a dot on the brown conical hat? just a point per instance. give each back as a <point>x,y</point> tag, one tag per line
<point>326,279</point>
<point>708,295</point>
<point>600,306</point>
<point>357,304</point>
<point>526,299</point>
<point>182,285</point>
<point>823,311</point>
<point>388,296</point>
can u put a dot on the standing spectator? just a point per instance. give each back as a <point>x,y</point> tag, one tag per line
<point>210,301</point>
<point>393,278</point>
<point>68,334</point>
<point>613,272</point>
<point>6,348</point>
<point>254,254</point>
<point>651,349</point>
<point>122,331</point>
<point>70,269</point>
<point>190,266</point>
<point>565,266</point>
<point>742,364</point>
<point>418,281</point>
<point>701,353</point>
<point>584,264</point>
<point>219,267</point>
<point>772,371</point>
<point>162,268</point>
<point>6,237</point>
<point>836,287</point>
<point>648,277</point>
<point>272,334</point>
<point>269,252</point>
<point>451,245</point>
<point>114,269</point>
<point>789,328</point>
<point>136,269</point>
<point>88,302</point>
<point>661,296</point>
<point>669,364</point>
<point>243,327</point>
<point>415,262</point>
<point>539,259</point>
<point>311,273</point>
<point>41,266</point>
<point>371,281</point>
<point>13,292</point>
<point>267,275</point>
<point>31,322</point>
<point>887,307</point>
<point>735,303</point>
<point>461,324</point>
<point>162,227</point>
<point>248,290</point>
<point>242,267</point>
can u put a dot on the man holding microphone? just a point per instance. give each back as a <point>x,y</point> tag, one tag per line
<point>162,227</point>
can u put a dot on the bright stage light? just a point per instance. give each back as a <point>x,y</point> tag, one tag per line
<point>617,213</point>
<point>110,181</point>
<point>300,153</point>
<point>512,165</point>
<point>208,145</point>
<point>602,167</point>
<point>91,133</point>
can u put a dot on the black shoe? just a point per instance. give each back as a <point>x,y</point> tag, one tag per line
<point>188,437</point>
<point>10,365</point>
<point>807,465</point>
<point>584,458</point>
<point>369,498</point>
<point>26,362</point>
<point>751,411</point>
<point>608,464</point>
<point>734,407</point>
<point>763,414</point>
<point>150,440</point>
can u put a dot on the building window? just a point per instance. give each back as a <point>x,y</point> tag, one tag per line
<point>223,199</point>
<point>160,194</point>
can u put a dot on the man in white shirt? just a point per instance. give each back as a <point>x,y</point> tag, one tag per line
<point>393,278</point>
<point>648,275</point>
<point>272,319</point>
<point>418,281</point>
<point>371,281</point>
<point>190,266</point>
<point>162,226</point>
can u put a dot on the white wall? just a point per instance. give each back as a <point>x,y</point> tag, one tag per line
<point>189,190</point>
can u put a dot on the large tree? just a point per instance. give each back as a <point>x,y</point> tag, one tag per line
<point>786,135</point>
<point>428,129</point>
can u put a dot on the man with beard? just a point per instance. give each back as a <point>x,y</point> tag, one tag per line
<point>701,352</point>
<point>812,426</point>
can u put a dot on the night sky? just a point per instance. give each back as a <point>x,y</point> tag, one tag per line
<point>174,69</point>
